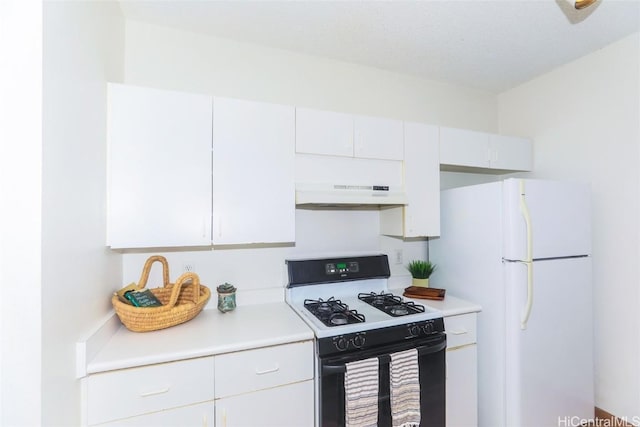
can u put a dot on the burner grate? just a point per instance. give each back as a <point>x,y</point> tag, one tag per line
<point>391,304</point>
<point>333,312</point>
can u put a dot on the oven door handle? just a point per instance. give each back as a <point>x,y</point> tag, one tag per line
<point>423,350</point>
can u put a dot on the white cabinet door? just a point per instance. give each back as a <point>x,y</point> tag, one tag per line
<point>462,387</point>
<point>159,168</point>
<point>285,406</point>
<point>461,147</point>
<point>421,217</point>
<point>511,153</point>
<point>338,134</point>
<point>253,172</point>
<point>470,149</point>
<point>422,180</point>
<point>200,415</point>
<point>324,132</point>
<point>378,138</point>
<point>462,370</point>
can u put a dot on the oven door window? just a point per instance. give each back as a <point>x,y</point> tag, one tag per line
<point>431,362</point>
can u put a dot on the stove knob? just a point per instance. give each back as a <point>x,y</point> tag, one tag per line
<point>341,343</point>
<point>358,341</point>
<point>414,330</point>
<point>428,328</point>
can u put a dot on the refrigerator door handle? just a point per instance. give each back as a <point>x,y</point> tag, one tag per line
<point>529,260</point>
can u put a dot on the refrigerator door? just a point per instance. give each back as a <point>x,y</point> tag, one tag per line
<point>549,365</point>
<point>560,219</point>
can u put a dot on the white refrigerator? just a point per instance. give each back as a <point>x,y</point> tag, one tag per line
<point>521,249</point>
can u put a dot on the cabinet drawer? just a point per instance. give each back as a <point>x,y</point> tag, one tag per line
<point>461,330</point>
<point>262,368</point>
<point>136,391</point>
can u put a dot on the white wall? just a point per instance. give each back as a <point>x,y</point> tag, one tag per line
<point>585,120</point>
<point>20,205</point>
<point>172,59</point>
<point>83,48</point>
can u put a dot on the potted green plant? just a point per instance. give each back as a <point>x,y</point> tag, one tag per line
<point>420,271</point>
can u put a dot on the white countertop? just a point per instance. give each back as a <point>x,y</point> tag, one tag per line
<point>449,306</point>
<point>213,332</point>
<point>209,333</point>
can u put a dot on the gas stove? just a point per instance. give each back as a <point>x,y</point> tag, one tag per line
<point>348,305</point>
<point>338,296</point>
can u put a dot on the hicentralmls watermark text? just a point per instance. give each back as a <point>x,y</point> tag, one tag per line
<point>574,421</point>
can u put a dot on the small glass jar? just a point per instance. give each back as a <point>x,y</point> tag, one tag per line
<point>226,297</point>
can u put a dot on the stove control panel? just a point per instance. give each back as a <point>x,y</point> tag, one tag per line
<point>382,337</point>
<point>331,270</point>
<point>341,267</point>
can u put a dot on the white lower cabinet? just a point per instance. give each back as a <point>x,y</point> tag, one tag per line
<point>462,371</point>
<point>269,386</point>
<point>284,406</point>
<point>123,394</point>
<point>200,415</point>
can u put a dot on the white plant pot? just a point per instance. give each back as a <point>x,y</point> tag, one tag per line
<point>423,283</point>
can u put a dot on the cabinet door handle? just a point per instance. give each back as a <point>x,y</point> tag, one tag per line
<point>268,371</point>
<point>155,392</point>
<point>458,332</point>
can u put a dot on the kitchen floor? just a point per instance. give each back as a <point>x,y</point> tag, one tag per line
<point>603,418</point>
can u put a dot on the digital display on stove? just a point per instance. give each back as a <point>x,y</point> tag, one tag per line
<point>341,267</point>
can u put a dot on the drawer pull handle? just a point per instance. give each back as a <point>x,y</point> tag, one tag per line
<point>154,393</point>
<point>268,371</point>
<point>458,332</point>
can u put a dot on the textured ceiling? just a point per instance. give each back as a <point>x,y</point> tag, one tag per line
<point>489,45</point>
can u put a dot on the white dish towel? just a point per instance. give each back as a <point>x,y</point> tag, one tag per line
<point>405,389</point>
<point>361,393</point>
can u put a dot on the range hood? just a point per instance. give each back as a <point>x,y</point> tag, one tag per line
<point>345,196</point>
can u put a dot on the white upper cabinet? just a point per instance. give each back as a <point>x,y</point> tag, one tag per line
<point>377,138</point>
<point>324,132</point>
<point>510,153</point>
<point>421,216</point>
<point>253,172</point>
<point>163,191</point>
<point>338,134</point>
<point>462,149</point>
<point>159,168</point>
<point>422,180</point>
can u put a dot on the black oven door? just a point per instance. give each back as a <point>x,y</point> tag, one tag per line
<point>431,362</point>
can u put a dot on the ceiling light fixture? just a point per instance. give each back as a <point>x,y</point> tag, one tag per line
<point>582,4</point>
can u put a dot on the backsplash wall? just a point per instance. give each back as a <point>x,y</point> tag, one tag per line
<point>259,271</point>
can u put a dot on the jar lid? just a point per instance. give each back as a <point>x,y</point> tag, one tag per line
<point>226,288</point>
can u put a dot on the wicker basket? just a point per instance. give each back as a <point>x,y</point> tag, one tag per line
<point>181,301</point>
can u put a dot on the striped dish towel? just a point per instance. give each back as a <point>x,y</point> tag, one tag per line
<point>361,393</point>
<point>405,389</point>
